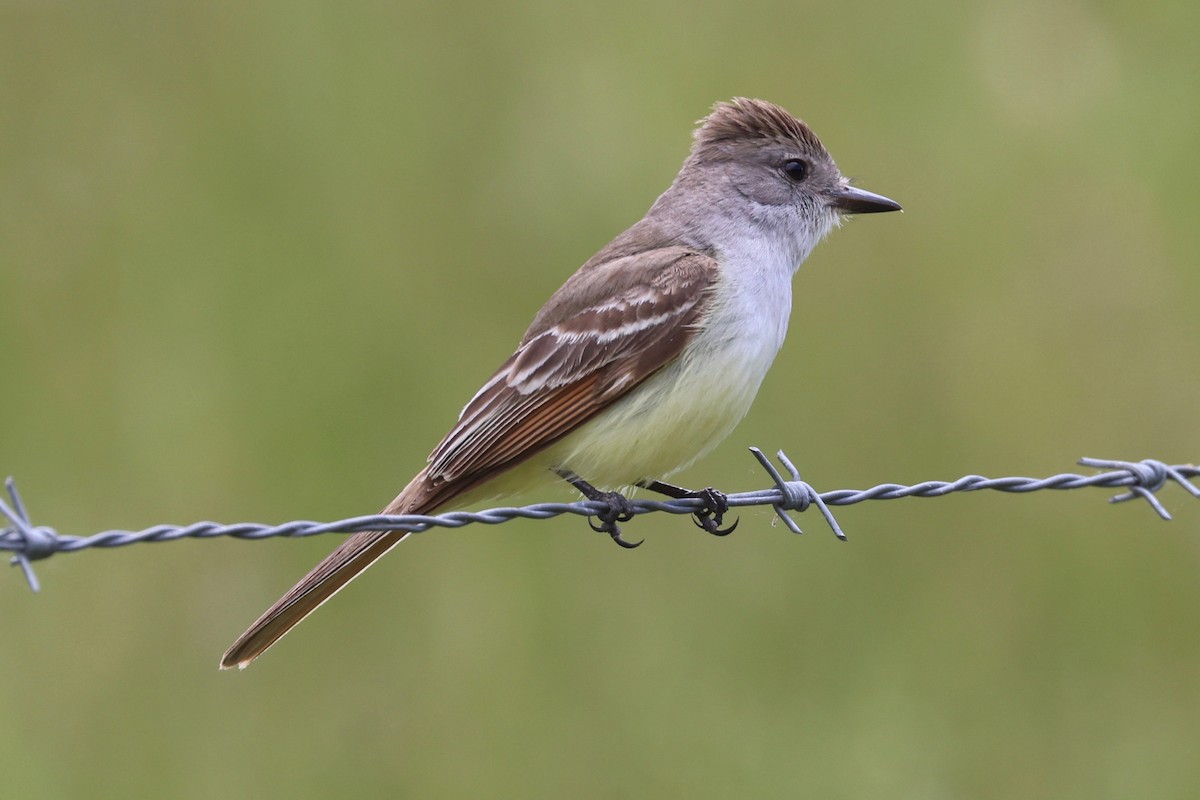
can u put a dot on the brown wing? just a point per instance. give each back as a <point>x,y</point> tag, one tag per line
<point>566,371</point>
<point>611,326</point>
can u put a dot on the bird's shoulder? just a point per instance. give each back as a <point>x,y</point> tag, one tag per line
<point>641,267</point>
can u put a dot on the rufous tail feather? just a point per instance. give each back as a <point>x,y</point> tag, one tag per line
<point>327,578</point>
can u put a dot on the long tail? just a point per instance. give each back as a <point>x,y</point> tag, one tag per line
<point>326,579</point>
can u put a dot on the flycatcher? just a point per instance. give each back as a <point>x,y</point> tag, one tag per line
<point>647,356</point>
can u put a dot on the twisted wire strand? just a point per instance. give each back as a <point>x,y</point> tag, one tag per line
<point>1143,479</point>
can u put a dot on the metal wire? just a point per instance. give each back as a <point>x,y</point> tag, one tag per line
<point>1144,478</point>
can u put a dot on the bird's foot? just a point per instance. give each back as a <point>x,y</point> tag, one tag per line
<point>620,509</point>
<point>710,516</point>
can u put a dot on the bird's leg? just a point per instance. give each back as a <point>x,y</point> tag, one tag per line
<point>619,508</point>
<point>709,517</point>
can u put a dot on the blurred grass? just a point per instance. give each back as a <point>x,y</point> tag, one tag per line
<point>253,258</point>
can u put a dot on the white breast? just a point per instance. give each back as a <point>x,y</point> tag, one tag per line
<point>687,408</point>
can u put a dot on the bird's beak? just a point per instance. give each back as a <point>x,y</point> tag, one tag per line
<point>850,200</point>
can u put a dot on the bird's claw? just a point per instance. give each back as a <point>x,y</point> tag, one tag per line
<point>711,525</point>
<point>619,510</point>
<point>710,517</point>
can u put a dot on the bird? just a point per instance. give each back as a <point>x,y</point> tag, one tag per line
<point>644,359</point>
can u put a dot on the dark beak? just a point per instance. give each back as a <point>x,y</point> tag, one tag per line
<point>849,200</point>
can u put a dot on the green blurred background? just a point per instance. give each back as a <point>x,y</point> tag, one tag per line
<point>254,257</point>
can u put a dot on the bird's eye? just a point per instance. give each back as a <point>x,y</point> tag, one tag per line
<point>795,169</point>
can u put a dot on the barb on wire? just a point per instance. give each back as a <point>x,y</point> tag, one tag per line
<point>1143,479</point>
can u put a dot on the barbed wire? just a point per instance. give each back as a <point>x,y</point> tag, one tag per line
<point>1144,478</point>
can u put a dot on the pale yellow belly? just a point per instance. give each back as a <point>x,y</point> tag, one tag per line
<point>663,426</point>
